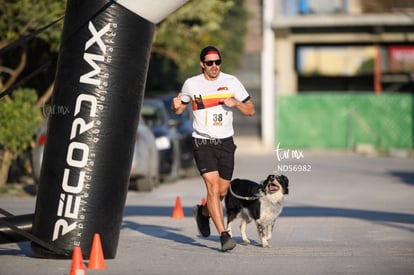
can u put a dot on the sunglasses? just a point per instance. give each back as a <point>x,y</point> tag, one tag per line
<point>210,62</point>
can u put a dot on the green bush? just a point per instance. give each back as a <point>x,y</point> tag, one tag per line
<point>18,119</point>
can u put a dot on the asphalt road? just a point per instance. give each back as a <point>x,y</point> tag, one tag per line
<point>345,214</point>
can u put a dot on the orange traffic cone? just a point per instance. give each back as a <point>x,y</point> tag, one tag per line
<point>203,201</point>
<point>178,212</point>
<point>78,266</point>
<point>96,258</point>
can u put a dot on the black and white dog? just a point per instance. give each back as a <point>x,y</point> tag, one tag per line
<point>261,202</point>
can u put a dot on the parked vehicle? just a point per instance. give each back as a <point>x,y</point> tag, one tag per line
<point>185,130</point>
<point>145,163</point>
<point>166,138</point>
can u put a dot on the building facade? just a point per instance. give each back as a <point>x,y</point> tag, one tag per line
<point>343,45</point>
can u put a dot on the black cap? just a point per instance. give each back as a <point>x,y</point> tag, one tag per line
<point>208,50</point>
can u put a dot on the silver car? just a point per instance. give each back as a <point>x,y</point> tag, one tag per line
<point>145,163</point>
<point>144,175</point>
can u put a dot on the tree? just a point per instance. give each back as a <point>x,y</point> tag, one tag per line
<point>180,37</point>
<point>18,120</point>
<point>19,114</point>
<point>19,18</point>
<point>232,33</point>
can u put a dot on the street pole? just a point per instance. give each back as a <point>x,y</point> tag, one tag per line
<point>267,76</point>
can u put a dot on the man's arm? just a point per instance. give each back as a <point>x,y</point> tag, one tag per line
<point>177,106</point>
<point>246,108</point>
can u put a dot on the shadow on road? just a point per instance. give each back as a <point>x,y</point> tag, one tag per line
<point>164,232</point>
<point>405,177</point>
<point>385,218</point>
<point>23,248</point>
<point>294,211</point>
<point>155,211</point>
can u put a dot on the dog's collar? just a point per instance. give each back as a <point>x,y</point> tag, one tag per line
<point>252,198</point>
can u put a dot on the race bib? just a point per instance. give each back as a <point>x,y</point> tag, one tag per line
<point>216,118</point>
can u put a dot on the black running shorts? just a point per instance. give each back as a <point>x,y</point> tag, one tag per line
<point>215,155</point>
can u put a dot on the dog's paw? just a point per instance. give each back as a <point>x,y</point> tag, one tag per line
<point>265,244</point>
<point>246,241</point>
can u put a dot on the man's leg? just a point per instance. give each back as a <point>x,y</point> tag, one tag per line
<point>202,213</point>
<point>214,205</point>
<point>216,191</point>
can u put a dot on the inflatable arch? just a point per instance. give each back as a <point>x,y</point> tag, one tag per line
<point>100,81</point>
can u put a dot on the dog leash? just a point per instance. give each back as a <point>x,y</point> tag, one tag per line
<point>252,198</point>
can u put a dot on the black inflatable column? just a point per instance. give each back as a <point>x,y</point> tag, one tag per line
<point>93,118</point>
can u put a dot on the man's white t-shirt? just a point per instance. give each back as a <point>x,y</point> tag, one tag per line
<point>212,119</point>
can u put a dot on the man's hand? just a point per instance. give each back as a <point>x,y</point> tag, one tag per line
<point>176,105</point>
<point>246,108</point>
<point>230,102</point>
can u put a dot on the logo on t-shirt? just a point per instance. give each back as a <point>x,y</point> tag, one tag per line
<point>207,101</point>
<point>199,102</point>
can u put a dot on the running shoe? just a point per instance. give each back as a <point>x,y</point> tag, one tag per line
<point>227,243</point>
<point>203,222</point>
